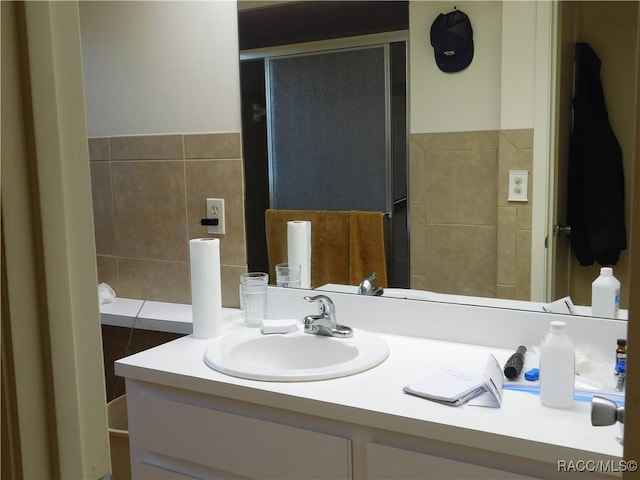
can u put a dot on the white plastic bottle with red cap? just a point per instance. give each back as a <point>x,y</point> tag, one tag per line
<point>605,295</point>
<point>557,367</point>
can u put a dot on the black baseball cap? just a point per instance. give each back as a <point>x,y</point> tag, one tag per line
<point>452,41</point>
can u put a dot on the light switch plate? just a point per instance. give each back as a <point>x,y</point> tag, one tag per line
<point>518,186</point>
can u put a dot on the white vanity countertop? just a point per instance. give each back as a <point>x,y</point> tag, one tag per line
<point>149,315</point>
<point>522,427</point>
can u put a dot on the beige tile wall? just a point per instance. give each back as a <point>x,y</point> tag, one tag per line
<point>466,238</point>
<point>515,152</point>
<point>148,197</point>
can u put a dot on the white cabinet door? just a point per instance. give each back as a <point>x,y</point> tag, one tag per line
<point>385,462</point>
<point>184,438</point>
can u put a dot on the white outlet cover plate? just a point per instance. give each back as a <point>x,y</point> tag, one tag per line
<point>518,185</point>
<point>219,204</point>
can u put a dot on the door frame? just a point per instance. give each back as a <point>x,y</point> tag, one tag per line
<point>543,250</point>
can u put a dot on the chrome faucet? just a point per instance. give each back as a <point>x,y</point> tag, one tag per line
<point>366,286</point>
<point>325,322</point>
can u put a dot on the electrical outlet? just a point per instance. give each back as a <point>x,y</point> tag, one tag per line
<point>215,209</point>
<point>518,185</point>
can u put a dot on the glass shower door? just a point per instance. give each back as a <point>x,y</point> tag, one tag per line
<point>328,130</point>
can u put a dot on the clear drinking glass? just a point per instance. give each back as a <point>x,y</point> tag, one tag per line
<point>253,297</point>
<point>288,275</point>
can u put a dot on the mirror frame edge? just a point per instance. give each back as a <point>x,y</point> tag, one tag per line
<point>631,449</point>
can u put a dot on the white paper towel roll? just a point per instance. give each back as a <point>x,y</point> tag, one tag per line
<point>299,249</point>
<point>206,296</point>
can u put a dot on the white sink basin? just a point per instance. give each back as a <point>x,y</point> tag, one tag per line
<point>294,357</point>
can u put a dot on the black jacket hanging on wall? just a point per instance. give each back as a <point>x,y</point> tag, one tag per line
<point>595,176</point>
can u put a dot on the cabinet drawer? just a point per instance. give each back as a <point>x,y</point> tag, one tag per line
<point>231,443</point>
<point>155,473</point>
<point>385,462</point>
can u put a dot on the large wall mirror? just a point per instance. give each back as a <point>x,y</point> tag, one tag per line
<point>464,132</point>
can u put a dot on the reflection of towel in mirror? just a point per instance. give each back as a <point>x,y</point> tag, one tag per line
<point>366,247</point>
<point>345,246</point>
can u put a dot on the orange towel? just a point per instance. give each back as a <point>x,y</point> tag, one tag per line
<point>366,247</point>
<point>345,246</point>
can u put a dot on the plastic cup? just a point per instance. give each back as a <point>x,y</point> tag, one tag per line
<point>288,275</point>
<point>253,297</point>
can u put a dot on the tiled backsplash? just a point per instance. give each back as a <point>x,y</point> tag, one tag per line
<point>149,193</point>
<point>466,238</point>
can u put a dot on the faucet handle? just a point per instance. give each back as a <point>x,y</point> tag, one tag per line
<point>325,305</point>
<point>366,287</point>
<point>325,323</point>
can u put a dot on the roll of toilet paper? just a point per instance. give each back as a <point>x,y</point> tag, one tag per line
<point>206,296</point>
<point>299,249</point>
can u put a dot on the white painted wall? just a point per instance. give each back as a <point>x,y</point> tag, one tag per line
<point>518,64</point>
<point>164,67</point>
<point>463,101</point>
<point>496,91</point>
<point>160,67</point>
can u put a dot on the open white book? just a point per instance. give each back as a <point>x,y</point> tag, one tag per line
<point>455,387</point>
